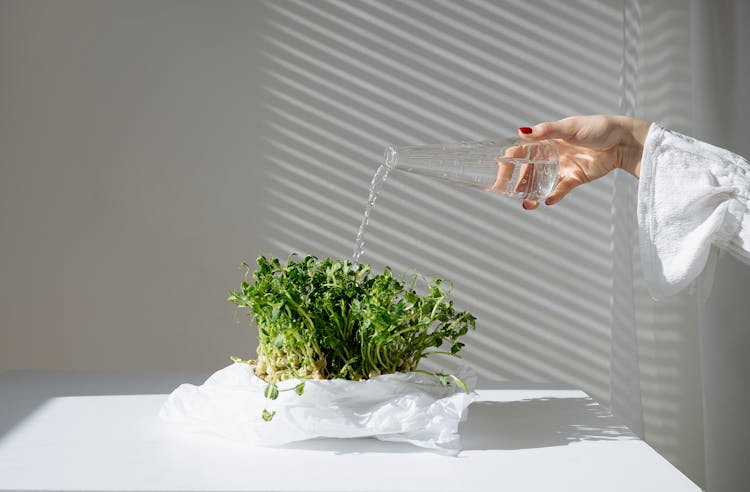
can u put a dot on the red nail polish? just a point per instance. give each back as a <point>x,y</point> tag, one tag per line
<point>525,130</point>
<point>524,206</point>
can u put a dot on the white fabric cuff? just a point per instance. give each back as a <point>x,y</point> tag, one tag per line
<point>691,195</point>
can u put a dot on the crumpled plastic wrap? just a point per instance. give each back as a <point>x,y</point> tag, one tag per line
<point>405,407</point>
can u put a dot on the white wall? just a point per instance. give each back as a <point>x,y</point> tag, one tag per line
<point>721,102</point>
<point>668,330</point>
<point>149,148</point>
<point>131,181</point>
<point>346,79</point>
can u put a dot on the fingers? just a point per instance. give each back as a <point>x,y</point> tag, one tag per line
<point>525,179</point>
<point>563,187</point>
<point>504,173</point>
<point>505,167</point>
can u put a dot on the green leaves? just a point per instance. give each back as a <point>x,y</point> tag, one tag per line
<point>300,388</point>
<point>272,391</point>
<point>460,383</point>
<point>331,319</point>
<point>445,380</point>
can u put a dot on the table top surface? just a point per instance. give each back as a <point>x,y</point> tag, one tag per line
<point>101,431</point>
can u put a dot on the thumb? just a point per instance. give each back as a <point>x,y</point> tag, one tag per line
<point>564,129</point>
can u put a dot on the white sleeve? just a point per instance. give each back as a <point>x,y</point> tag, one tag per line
<point>691,195</point>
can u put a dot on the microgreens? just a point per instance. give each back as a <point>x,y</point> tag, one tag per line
<point>326,319</point>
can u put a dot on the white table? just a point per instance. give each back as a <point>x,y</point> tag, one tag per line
<point>100,431</point>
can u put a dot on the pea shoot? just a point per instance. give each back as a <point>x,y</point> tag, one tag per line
<point>327,319</point>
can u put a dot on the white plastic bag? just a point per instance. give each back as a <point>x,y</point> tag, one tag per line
<point>412,407</point>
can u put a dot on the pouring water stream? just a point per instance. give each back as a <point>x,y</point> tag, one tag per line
<point>375,185</point>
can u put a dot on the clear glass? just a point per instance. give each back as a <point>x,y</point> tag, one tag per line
<point>510,167</point>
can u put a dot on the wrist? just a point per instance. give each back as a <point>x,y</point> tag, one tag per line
<point>632,146</point>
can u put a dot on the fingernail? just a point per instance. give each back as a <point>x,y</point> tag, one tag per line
<point>524,206</point>
<point>525,130</point>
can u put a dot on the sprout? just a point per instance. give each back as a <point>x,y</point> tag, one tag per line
<point>326,319</point>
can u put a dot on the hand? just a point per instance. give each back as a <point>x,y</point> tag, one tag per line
<point>590,147</point>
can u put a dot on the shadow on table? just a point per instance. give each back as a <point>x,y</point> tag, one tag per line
<point>532,423</point>
<point>358,445</point>
<point>524,424</point>
<point>539,423</point>
<point>22,392</point>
